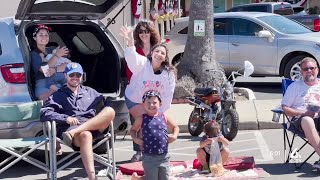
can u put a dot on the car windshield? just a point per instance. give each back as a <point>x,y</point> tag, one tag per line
<point>284,25</point>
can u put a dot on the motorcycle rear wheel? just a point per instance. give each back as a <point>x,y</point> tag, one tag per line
<point>230,125</point>
<point>195,126</point>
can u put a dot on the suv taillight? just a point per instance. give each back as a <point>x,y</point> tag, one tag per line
<point>316,24</point>
<point>13,73</point>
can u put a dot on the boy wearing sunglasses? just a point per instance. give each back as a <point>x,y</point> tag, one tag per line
<point>74,108</point>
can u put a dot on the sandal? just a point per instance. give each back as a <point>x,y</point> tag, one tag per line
<point>67,138</point>
<point>136,158</point>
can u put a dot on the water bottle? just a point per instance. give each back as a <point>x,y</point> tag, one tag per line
<point>276,117</point>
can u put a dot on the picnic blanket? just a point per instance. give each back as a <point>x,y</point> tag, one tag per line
<point>235,168</point>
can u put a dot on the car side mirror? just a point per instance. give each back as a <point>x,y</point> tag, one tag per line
<point>265,34</point>
<point>248,68</point>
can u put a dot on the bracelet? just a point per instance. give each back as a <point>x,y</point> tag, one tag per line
<point>55,68</point>
<point>56,56</point>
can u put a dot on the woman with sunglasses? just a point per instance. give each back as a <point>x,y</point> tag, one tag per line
<point>145,36</point>
<point>153,72</point>
<point>46,82</point>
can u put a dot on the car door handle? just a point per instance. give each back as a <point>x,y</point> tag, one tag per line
<point>235,44</point>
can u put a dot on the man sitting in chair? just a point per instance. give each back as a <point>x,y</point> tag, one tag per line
<point>73,107</point>
<point>296,100</point>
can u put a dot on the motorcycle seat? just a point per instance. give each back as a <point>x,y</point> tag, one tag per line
<point>205,91</point>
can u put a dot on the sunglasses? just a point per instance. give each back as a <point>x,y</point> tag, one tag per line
<point>309,68</point>
<point>78,75</point>
<point>146,31</point>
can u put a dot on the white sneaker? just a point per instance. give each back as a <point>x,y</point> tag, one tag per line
<point>316,165</point>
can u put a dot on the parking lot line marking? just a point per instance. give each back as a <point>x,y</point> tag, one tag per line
<point>264,149</point>
<point>184,154</point>
<point>125,147</point>
<point>245,132</point>
<point>244,150</point>
<point>240,141</point>
<point>192,147</point>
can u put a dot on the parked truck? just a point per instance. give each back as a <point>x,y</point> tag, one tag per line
<point>282,8</point>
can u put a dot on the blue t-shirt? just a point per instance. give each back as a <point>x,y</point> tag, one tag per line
<point>36,61</point>
<point>154,134</point>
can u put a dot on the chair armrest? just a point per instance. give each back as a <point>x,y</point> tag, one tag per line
<point>279,111</point>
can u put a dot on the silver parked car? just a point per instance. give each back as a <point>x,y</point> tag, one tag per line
<point>75,24</point>
<point>274,44</point>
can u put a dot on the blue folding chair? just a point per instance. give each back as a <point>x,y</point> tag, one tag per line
<point>20,147</point>
<point>288,126</point>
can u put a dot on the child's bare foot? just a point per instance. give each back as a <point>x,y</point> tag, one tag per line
<point>135,176</point>
<point>54,87</point>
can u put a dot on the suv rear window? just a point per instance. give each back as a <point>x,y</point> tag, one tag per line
<point>257,9</point>
<point>87,43</point>
<point>283,9</point>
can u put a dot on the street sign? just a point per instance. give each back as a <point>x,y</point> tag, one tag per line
<point>199,28</point>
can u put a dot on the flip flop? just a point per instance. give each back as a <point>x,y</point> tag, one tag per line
<point>67,138</point>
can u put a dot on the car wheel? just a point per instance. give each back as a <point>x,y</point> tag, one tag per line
<point>292,69</point>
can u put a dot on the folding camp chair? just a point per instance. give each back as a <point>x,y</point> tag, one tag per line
<point>26,113</point>
<point>106,139</point>
<point>288,126</point>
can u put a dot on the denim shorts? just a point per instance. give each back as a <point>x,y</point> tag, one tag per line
<point>129,103</point>
<point>41,87</point>
<point>57,79</point>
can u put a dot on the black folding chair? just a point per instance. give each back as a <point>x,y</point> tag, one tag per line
<point>287,125</point>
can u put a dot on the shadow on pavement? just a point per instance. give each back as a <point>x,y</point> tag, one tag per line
<point>191,138</point>
<point>280,169</point>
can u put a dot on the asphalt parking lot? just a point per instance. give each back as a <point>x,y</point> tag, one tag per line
<point>265,145</point>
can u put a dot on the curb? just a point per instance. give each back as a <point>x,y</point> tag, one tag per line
<point>253,115</point>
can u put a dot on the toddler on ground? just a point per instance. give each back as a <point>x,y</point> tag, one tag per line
<point>212,133</point>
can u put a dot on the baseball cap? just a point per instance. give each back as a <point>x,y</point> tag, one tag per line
<point>151,93</point>
<point>73,67</point>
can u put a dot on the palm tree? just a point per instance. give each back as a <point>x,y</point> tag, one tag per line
<point>199,53</point>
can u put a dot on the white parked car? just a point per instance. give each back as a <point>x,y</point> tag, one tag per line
<point>274,44</point>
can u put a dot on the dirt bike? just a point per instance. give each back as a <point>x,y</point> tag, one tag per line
<point>219,105</point>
